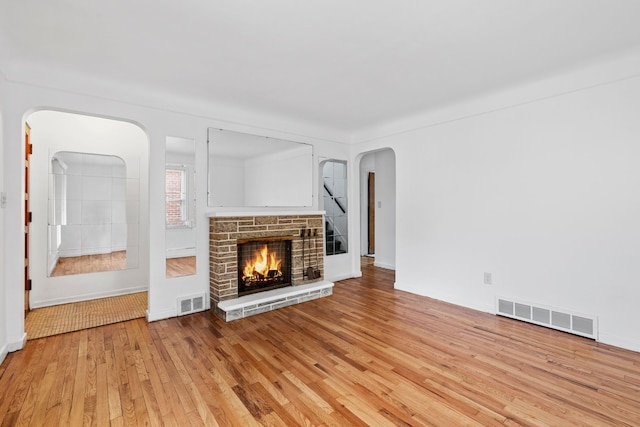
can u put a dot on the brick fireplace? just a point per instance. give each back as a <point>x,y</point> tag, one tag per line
<point>306,234</point>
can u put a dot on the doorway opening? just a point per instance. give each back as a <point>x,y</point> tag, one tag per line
<point>88,182</point>
<point>377,171</point>
<point>28,149</point>
<point>371,214</point>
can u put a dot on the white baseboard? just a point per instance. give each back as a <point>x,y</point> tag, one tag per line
<point>180,252</point>
<point>383,265</point>
<point>3,353</point>
<point>160,315</point>
<point>12,346</point>
<point>86,297</point>
<point>344,276</point>
<point>633,345</point>
<point>72,253</point>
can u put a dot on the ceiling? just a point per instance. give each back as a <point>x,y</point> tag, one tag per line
<point>343,65</point>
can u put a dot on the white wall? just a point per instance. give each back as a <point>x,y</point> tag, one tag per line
<point>542,194</point>
<point>181,242</point>
<point>279,179</point>
<point>157,123</point>
<point>55,132</point>
<point>229,192</point>
<point>87,203</point>
<point>3,314</point>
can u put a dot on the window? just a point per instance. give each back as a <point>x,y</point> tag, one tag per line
<point>177,191</point>
<point>334,179</point>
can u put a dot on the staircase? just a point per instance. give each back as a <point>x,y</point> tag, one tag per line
<point>332,243</point>
<point>335,221</point>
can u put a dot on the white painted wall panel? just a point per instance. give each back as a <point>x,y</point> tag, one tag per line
<point>543,195</point>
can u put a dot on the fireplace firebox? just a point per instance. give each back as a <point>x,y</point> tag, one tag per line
<point>263,264</point>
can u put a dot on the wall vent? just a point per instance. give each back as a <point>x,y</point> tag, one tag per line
<point>191,304</point>
<point>555,318</point>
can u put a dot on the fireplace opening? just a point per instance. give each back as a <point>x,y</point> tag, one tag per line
<point>263,264</point>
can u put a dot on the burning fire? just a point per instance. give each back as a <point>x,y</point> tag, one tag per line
<point>266,265</point>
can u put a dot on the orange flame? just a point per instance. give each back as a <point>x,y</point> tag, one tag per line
<point>263,263</point>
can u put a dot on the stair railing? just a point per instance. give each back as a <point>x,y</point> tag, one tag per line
<point>329,219</point>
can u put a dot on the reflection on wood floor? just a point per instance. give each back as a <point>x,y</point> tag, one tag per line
<point>90,263</point>
<point>183,266</point>
<point>176,267</point>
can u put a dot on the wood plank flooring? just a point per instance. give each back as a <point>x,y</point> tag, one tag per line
<point>176,267</point>
<point>368,355</point>
<point>90,263</point>
<point>182,266</point>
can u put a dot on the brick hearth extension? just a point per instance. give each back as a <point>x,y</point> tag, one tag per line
<point>224,232</point>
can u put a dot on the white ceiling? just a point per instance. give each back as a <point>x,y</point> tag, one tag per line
<point>344,65</point>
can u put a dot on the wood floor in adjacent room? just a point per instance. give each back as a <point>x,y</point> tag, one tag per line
<point>368,355</point>
<point>90,264</point>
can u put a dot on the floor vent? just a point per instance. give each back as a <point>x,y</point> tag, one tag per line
<point>192,304</point>
<point>555,318</point>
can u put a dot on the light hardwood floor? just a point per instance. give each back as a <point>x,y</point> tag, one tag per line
<point>176,267</point>
<point>368,355</point>
<point>183,266</point>
<point>90,263</point>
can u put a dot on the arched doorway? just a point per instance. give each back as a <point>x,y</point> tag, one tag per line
<point>88,183</point>
<point>377,205</point>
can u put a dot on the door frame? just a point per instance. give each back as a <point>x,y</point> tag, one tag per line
<point>28,150</point>
<point>371,213</point>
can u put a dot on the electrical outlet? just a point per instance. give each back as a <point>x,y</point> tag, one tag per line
<point>3,200</point>
<point>488,279</point>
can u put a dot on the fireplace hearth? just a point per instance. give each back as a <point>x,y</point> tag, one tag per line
<point>303,237</point>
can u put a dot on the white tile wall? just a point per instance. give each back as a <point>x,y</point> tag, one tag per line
<point>74,187</point>
<point>96,188</point>
<point>118,188</point>
<point>74,212</point>
<point>101,199</point>
<point>133,256</point>
<point>71,236</point>
<point>119,212</point>
<point>118,236</point>
<point>96,238</point>
<point>96,212</point>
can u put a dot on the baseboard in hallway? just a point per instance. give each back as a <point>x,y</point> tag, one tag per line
<point>59,319</point>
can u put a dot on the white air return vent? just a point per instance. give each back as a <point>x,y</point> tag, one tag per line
<point>191,304</point>
<point>551,317</point>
